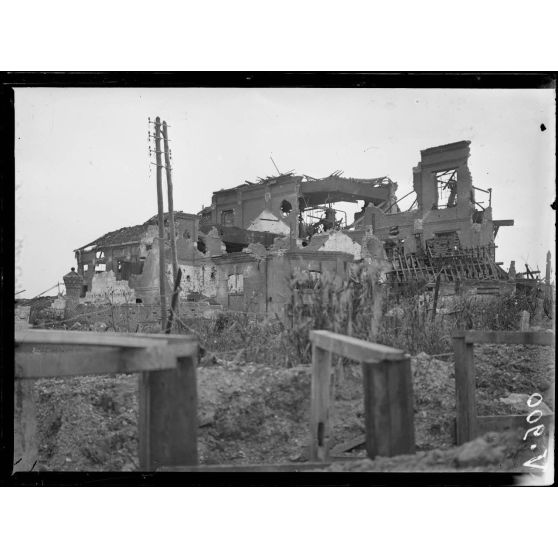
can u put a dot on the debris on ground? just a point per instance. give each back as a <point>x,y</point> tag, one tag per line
<point>252,413</point>
<point>493,452</point>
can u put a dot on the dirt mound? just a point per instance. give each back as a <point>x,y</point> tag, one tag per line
<point>87,424</point>
<point>505,369</point>
<point>493,452</point>
<point>252,413</point>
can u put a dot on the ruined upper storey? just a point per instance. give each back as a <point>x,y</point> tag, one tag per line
<point>255,228</point>
<point>301,206</point>
<point>445,206</point>
<point>276,204</point>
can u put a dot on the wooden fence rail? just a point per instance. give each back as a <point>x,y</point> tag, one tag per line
<point>469,425</point>
<point>167,389</point>
<point>388,395</point>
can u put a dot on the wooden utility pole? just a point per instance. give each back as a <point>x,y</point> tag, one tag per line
<point>170,201</point>
<point>162,275</point>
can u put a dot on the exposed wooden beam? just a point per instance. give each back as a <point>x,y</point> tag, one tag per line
<point>507,337</point>
<point>179,345</point>
<point>92,362</point>
<point>355,349</point>
<point>349,445</point>
<point>256,468</point>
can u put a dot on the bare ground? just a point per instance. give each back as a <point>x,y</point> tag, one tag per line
<point>251,413</point>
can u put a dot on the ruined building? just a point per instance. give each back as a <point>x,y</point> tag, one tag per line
<point>241,250</point>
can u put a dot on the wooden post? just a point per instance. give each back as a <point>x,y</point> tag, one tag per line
<point>161,220</point>
<point>388,407</point>
<point>466,407</point>
<point>174,301</point>
<point>170,201</point>
<point>26,450</point>
<point>320,402</point>
<point>168,417</point>
<point>436,293</point>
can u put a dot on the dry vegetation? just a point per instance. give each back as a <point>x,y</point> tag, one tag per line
<point>355,305</point>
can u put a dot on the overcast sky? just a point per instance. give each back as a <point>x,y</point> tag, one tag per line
<point>82,162</point>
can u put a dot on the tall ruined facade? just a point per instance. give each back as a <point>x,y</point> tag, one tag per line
<point>240,251</point>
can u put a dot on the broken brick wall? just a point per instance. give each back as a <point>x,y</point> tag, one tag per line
<point>473,227</point>
<point>197,279</point>
<point>105,286</point>
<point>243,206</point>
<point>241,282</point>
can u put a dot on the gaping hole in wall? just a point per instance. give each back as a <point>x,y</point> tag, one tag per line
<point>310,278</point>
<point>235,283</point>
<point>227,218</point>
<point>478,216</point>
<point>359,215</point>
<point>446,242</point>
<point>286,208</point>
<point>139,300</point>
<point>232,247</point>
<point>446,188</point>
<point>201,246</point>
<point>100,267</point>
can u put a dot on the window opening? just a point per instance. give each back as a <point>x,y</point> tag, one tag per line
<point>286,208</point>
<point>446,187</point>
<point>227,218</point>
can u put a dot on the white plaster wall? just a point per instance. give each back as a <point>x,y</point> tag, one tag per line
<point>197,279</point>
<point>236,283</point>
<point>275,226</point>
<point>340,242</point>
<point>105,288</point>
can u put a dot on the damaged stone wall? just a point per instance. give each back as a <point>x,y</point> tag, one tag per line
<point>198,279</point>
<point>105,287</point>
<point>337,241</point>
<point>246,203</point>
<point>241,281</point>
<point>257,279</point>
<point>269,222</point>
<point>473,226</point>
